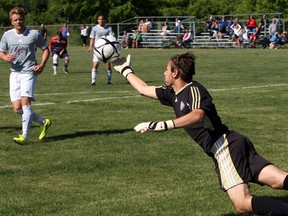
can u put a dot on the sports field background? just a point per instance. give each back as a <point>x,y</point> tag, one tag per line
<point>93,163</point>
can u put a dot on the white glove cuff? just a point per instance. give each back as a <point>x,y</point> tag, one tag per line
<point>126,71</point>
<point>170,124</point>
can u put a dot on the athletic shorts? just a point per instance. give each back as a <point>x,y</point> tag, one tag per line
<point>95,58</point>
<point>64,54</point>
<point>22,85</point>
<point>236,160</point>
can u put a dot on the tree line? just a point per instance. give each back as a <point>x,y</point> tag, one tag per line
<point>85,11</point>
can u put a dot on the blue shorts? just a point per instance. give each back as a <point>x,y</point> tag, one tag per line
<point>57,52</point>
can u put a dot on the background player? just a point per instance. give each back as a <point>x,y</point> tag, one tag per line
<point>234,155</point>
<point>18,47</point>
<point>58,49</point>
<point>98,31</point>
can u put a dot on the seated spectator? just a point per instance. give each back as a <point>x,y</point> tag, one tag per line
<point>178,26</point>
<point>223,25</point>
<point>209,23</point>
<point>187,39</point>
<point>124,41</point>
<point>255,35</point>
<point>146,27</point>
<point>251,23</point>
<point>165,29</point>
<point>274,41</point>
<point>215,31</point>
<point>284,38</point>
<point>237,34</point>
<point>136,43</point>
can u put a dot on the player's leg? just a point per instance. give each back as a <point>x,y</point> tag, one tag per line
<point>109,73</point>
<point>66,64</point>
<point>55,60</point>
<point>273,177</point>
<point>95,64</point>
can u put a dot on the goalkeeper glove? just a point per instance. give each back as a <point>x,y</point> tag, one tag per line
<point>122,65</point>
<point>155,126</point>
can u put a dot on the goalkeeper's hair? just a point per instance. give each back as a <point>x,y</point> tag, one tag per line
<point>185,64</point>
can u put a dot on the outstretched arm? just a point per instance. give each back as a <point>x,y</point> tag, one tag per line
<point>122,65</point>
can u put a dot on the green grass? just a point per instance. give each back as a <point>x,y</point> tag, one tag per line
<point>93,163</point>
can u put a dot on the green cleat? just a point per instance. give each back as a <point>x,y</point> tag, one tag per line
<point>44,129</point>
<point>20,140</point>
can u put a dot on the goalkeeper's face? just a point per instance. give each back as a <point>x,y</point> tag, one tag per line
<point>169,75</point>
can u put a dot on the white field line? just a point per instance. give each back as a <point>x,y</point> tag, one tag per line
<point>128,97</point>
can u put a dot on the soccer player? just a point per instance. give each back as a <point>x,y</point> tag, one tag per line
<point>18,47</point>
<point>236,160</point>
<point>58,49</point>
<point>101,29</point>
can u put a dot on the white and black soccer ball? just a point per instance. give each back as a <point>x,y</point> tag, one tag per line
<point>107,48</point>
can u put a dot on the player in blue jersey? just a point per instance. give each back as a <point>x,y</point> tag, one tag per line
<point>18,47</point>
<point>236,161</point>
<point>101,29</point>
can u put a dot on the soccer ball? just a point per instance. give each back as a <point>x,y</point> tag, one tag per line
<point>107,48</point>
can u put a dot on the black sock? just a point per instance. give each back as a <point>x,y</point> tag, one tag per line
<point>285,183</point>
<point>268,206</point>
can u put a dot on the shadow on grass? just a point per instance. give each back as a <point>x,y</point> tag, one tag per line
<point>281,199</point>
<point>85,133</point>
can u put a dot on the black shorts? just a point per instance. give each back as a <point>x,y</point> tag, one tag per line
<point>236,160</point>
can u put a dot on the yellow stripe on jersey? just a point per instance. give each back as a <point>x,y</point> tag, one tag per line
<point>195,98</point>
<point>228,172</point>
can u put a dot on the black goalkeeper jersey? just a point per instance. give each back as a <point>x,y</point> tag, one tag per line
<point>195,96</point>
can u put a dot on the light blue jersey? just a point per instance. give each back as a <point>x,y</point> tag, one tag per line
<point>99,31</point>
<point>24,47</point>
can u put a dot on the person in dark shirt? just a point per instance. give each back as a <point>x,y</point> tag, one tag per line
<point>236,161</point>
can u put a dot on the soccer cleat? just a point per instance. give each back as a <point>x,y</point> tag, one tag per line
<point>44,129</point>
<point>20,140</point>
<point>66,71</point>
<point>93,83</point>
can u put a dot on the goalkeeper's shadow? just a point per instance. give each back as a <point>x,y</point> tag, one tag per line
<point>78,134</point>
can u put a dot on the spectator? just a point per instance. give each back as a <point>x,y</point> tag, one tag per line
<point>223,25</point>
<point>187,39</point>
<point>209,23</point>
<point>178,26</point>
<point>273,27</point>
<point>138,39</point>
<point>140,26</point>
<point>43,31</point>
<point>215,31</point>
<point>255,35</point>
<point>237,33</point>
<point>165,29</point>
<point>58,50</point>
<point>146,27</point>
<point>84,34</point>
<point>284,38</point>
<point>275,41</point>
<point>251,24</point>
<point>124,41</point>
<point>263,24</point>
<point>65,31</point>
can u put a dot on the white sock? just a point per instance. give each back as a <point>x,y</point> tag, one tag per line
<point>55,68</point>
<point>109,75</point>
<point>94,74</point>
<point>26,120</point>
<point>37,118</point>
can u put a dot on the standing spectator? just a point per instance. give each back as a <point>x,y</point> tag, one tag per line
<point>84,34</point>
<point>140,25</point>
<point>43,31</point>
<point>18,48</point>
<point>273,27</point>
<point>263,24</point>
<point>58,49</point>
<point>187,39</point>
<point>236,161</point>
<point>125,40</point>
<point>65,31</point>
<point>237,33</point>
<point>101,29</point>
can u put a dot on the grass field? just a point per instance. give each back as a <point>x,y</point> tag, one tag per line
<point>93,163</point>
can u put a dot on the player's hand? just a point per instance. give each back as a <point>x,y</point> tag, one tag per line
<point>122,65</point>
<point>154,126</point>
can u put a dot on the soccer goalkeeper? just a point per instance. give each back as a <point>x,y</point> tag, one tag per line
<point>236,160</point>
